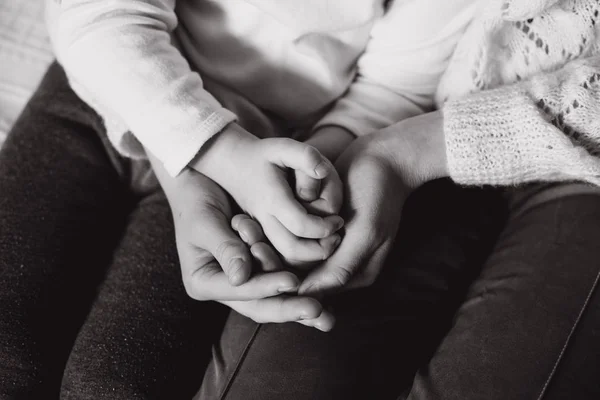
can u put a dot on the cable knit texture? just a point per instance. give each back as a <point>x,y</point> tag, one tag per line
<point>522,94</point>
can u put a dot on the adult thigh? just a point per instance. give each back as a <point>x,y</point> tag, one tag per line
<point>144,337</point>
<point>383,333</point>
<point>62,208</point>
<point>521,315</point>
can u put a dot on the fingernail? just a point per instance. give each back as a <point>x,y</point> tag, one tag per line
<point>288,289</point>
<point>337,242</point>
<point>322,169</point>
<point>339,223</point>
<point>303,316</point>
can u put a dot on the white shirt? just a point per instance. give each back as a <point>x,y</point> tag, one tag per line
<point>168,75</point>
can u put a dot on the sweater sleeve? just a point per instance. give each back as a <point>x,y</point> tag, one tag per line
<point>399,71</point>
<point>121,53</point>
<point>543,129</point>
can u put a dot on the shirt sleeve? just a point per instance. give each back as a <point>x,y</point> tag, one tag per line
<point>544,129</point>
<point>122,54</point>
<point>399,71</point>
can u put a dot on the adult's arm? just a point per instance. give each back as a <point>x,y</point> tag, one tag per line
<point>119,53</point>
<point>544,129</point>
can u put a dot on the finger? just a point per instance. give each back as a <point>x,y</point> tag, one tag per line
<point>295,249</point>
<point>280,309</point>
<point>324,322</point>
<point>227,248</point>
<point>266,257</point>
<point>296,218</point>
<point>330,198</point>
<point>289,153</point>
<point>211,283</point>
<point>332,192</point>
<point>341,267</point>
<point>307,188</point>
<point>249,230</point>
<point>369,272</point>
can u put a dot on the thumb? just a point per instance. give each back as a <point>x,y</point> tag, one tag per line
<point>232,254</point>
<point>339,269</point>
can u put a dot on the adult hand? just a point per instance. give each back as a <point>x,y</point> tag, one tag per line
<point>379,172</point>
<point>217,265</point>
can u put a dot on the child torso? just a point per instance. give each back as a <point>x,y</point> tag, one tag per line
<point>286,58</point>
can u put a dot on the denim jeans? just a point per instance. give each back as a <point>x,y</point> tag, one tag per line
<point>486,295</point>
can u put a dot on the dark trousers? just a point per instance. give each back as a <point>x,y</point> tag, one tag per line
<point>92,305</point>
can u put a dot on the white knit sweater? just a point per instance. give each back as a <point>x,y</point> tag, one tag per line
<point>523,91</point>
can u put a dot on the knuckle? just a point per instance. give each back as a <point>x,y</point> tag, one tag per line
<point>288,250</point>
<point>225,249</point>
<point>312,156</point>
<point>259,319</point>
<point>293,222</point>
<point>192,291</point>
<point>280,144</point>
<point>368,278</point>
<point>340,277</point>
<point>297,228</point>
<point>374,235</point>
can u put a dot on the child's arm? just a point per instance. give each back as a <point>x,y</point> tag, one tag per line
<point>331,140</point>
<point>255,173</point>
<point>119,53</point>
<point>399,71</point>
<point>396,77</point>
<point>119,56</point>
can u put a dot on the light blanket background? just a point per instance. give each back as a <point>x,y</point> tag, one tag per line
<point>24,56</point>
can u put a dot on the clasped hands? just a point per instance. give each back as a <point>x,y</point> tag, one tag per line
<point>234,260</point>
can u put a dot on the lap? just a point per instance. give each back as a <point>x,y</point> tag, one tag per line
<point>521,313</point>
<point>89,276</point>
<point>62,208</point>
<point>144,337</point>
<point>383,333</point>
<point>443,320</point>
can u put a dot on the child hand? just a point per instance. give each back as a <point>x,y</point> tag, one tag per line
<point>255,173</point>
<point>265,258</point>
<point>324,197</point>
<point>319,196</point>
<point>251,233</point>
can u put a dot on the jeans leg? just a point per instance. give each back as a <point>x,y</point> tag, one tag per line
<point>62,208</point>
<point>521,313</point>
<point>144,337</point>
<point>383,333</point>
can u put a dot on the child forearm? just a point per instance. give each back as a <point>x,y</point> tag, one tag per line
<point>331,140</point>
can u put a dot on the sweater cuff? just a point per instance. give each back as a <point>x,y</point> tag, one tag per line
<point>500,137</point>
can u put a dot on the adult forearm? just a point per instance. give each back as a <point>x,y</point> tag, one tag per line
<point>415,148</point>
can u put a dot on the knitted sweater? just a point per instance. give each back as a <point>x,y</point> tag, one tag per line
<point>522,94</point>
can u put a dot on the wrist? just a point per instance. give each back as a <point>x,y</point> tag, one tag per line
<point>218,155</point>
<point>415,147</point>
